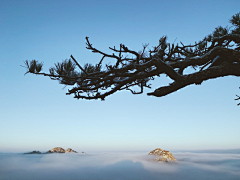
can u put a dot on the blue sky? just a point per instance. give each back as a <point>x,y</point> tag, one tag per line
<point>36,114</point>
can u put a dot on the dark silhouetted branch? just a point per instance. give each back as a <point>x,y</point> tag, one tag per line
<point>216,55</point>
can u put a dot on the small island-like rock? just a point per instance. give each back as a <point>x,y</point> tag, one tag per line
<point>57,150</point>
<point>61,150</point>
<point>69,150</point>
<point>54,150</point>
<point>34,152</point>
<point>163,156</point>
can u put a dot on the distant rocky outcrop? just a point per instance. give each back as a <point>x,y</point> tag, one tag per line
<point>34,152</point>
<point>61,150</point>
<point>69,150</point>
<point>54,150</point>
<point>57,150</point>
<point>163,156</point>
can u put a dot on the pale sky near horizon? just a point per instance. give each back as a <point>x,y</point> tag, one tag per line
<point>35,113</point>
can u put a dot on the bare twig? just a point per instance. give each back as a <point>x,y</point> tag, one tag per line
<point>78,65</point>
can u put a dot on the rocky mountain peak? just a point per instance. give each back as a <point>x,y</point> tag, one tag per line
<point>61,150</point>
<point>57,150</point>
<point>54,150</point>
<point>163,155</point>
<point>70,150</point>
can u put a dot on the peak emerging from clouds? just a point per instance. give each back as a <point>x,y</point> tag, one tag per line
<point>54,150</point>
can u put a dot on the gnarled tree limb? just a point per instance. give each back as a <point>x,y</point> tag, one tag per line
<point>217,55</point>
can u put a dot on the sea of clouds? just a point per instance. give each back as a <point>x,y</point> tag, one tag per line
<point>119,166</point>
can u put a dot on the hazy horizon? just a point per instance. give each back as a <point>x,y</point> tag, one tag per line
<point>222,151</point>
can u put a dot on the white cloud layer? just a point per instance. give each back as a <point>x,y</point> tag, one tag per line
<point>129,166</point>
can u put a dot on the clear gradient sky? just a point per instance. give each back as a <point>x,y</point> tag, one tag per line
<point>35,113</point>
